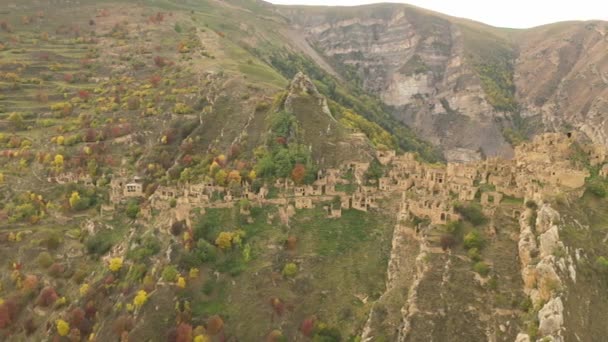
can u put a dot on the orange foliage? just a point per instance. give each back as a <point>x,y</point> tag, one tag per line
<point>215,324</point>
<point>298,173</point>
<point>184,333</point>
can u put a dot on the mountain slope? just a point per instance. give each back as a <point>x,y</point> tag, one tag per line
<point>462,84</point>
<point>205,170</point>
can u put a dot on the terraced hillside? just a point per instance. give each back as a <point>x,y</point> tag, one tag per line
<point>189,170</point>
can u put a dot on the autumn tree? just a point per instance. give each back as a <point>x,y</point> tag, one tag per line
<point>183,333</point>
<point>122,324</point>
<point>140,299</point>
<point>84,95</point>
<point>115,264</point>
<point>277,305</point>
<point>307,326</point>
<point>58,162</point>
<point>155,80</point>
<point>8,312</point>
<point>74,199</point>
<point>215,324</point>
<point>234,177</point>
<point>160,61</point>
<point>181,282</point>
<point>291,243</point>
<point>447,241</point>
<point>63,327</point>
<point>298,173</point>
<point>224,240</point>
<point>47,297</point>
<point>16,121</point>
<point>275,336</point>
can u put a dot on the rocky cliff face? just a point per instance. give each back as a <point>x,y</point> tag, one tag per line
<point>562,75</point>
<point>461,84</point>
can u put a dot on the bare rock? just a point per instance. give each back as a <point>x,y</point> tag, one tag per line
<point>549,242</point>
<point>547,218</point>
<point>551,319</point>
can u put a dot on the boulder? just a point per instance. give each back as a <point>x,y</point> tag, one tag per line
<point>551,318</point>
<point>549,242</point>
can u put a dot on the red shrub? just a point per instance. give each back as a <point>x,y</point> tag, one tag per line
<point>56,270</point>
<point>307,326</point>
<point>47,297</point>
<point>277,305</point>
<point>215,324</point>
<point>5,317</point>
<point>90,135</point>
<point>155,80</point>
<point>76,316</point>
<point>281,140</point>
<point>291,243</point>
<point>5,26</point>
<point>29,325</point>
<point>447,242</point>
<point>122,324</point>
<point>187,159</point>
<point>68,78</point>
<point>160,61</point>
<point>90,310</point>
<point>298,173</point>
<point>184,333</point>
<point>84,95</point>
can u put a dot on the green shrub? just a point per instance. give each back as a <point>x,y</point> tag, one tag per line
<point>82,203</point>
<point>136,273</point>
<point>482,268</point>
<point>170,274</point>
<point>52,241</point>
<point>205,251</point>
<point>290,269</point>
<point>209,286</point>
<point>99,244</point>
<point>323,333</point>
<point>148,247</point>
<point>597,188</point>
<point>473,240</point>
<point>531,205</point>
<point>474,254</point>
<point>132,209</point>
<point>44,259</point>
<point>471,213</point>
<point>602,263</point>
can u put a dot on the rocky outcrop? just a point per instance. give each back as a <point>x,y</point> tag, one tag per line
<point>551,319</point>
<point>302,85</point>
<point>561,75</point>
<point>544,280</point>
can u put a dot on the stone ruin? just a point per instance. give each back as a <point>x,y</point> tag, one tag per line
<point>540,167</point>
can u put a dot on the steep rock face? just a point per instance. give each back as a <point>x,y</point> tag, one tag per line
<point>415,62</point>
<point>460,84</point>
<point>562,75</point>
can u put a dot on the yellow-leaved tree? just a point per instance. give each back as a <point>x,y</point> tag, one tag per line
<point>201,338</point>
<point>224,240</point>
<point>63,327</point>
<point>115,264</point>
<point>58,162</point>
<point>84,289</point>
<point>140,299</point>
<point>74,199</point>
